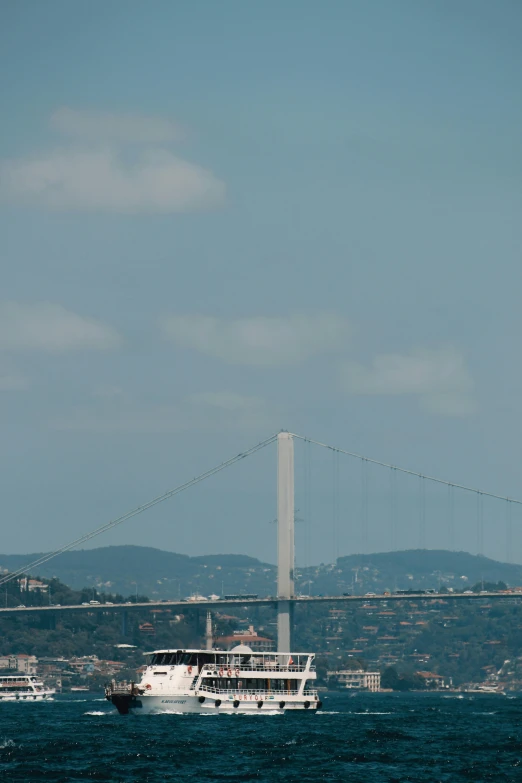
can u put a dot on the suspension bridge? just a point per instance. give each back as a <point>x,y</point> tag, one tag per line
<point>286,598</point>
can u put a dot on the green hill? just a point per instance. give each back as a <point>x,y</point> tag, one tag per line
<point>161,574</point>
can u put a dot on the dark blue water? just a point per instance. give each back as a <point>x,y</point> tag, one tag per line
<point>372,737</point>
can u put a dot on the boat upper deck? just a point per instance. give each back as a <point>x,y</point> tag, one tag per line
<point>12,679</point>
<point>240,659</point>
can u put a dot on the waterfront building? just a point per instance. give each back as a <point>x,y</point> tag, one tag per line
<point>357,679</point>
<point>249,637</point>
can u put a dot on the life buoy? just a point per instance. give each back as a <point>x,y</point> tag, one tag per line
<point>189,669</point>
<point>237,672</point>
<point>221,672</point>
<point>148,686</point>
<point>229,673</point>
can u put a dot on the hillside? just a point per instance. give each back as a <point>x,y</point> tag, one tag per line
<point>425,568</point>
<point>156,573</point>
<point>160,574</point>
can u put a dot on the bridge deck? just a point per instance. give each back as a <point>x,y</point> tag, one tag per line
<point>207,604</point>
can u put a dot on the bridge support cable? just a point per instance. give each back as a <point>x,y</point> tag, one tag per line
<point>509,533</point>
<point>364,503</point>
<point>451,517</point>
<point>138,510</point>
<point>393,509</point>
<point>422,514</point>
<point>335,504</point>
<point>480,524</point>
<point>434,479</point>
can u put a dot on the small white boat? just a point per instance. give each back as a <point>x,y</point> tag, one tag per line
<point>217,681</point>
<point>24,687</point>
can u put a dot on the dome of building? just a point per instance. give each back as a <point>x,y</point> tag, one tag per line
<point>242,649</point>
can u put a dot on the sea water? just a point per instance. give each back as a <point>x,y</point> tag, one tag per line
<point>366,737</point>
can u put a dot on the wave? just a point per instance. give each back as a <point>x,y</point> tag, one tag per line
<point>73,701</point>
<point>97,712</point>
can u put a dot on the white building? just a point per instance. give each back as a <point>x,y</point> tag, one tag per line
<point>26,664</point>
<point>251,638</point>
<point>357,679</point>
<point>32,585</point>
<point>8,662</point>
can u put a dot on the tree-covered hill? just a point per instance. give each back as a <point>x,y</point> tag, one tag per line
<point>161,574</point>
<point>157,573</point>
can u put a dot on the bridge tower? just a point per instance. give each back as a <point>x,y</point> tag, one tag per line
<point>208,632</point>
<point>285,539</point>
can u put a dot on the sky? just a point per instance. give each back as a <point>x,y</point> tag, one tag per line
<point>220,220</point>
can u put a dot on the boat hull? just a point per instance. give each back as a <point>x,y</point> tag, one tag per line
<point>181,703</point>
<point>27,697</point>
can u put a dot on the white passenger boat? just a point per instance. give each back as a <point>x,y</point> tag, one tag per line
<point>23,687</point>
<point>216,681</point>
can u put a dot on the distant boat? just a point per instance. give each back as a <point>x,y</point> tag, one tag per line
<point>21,687</point>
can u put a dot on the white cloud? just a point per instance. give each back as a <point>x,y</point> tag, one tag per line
<point>108,126</point>
<point>439,378</point>
<point>259,341</point>
<point>50,327</point>
<point>209,411</point>
<point>99,180</point>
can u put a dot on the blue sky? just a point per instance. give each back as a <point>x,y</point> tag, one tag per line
<point>223,219</point>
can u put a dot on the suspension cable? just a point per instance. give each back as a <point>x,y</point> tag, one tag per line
<point>509,534</point>
<point>138,510</point>
<point>393,509</point>
<point>422,518</point>
<point>451,516</point>
<point>408,472</point>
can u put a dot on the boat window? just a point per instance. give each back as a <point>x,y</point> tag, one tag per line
<point>204,659</point>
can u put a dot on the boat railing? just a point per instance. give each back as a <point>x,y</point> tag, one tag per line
<point>118,687</point>
<point>253,691</point>
<point>267,666</point>
<point>121,688</point>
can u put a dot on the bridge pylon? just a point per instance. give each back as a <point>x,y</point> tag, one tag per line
<point>285,539</point>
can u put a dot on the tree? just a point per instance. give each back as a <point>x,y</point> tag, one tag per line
<point>391,679</point>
